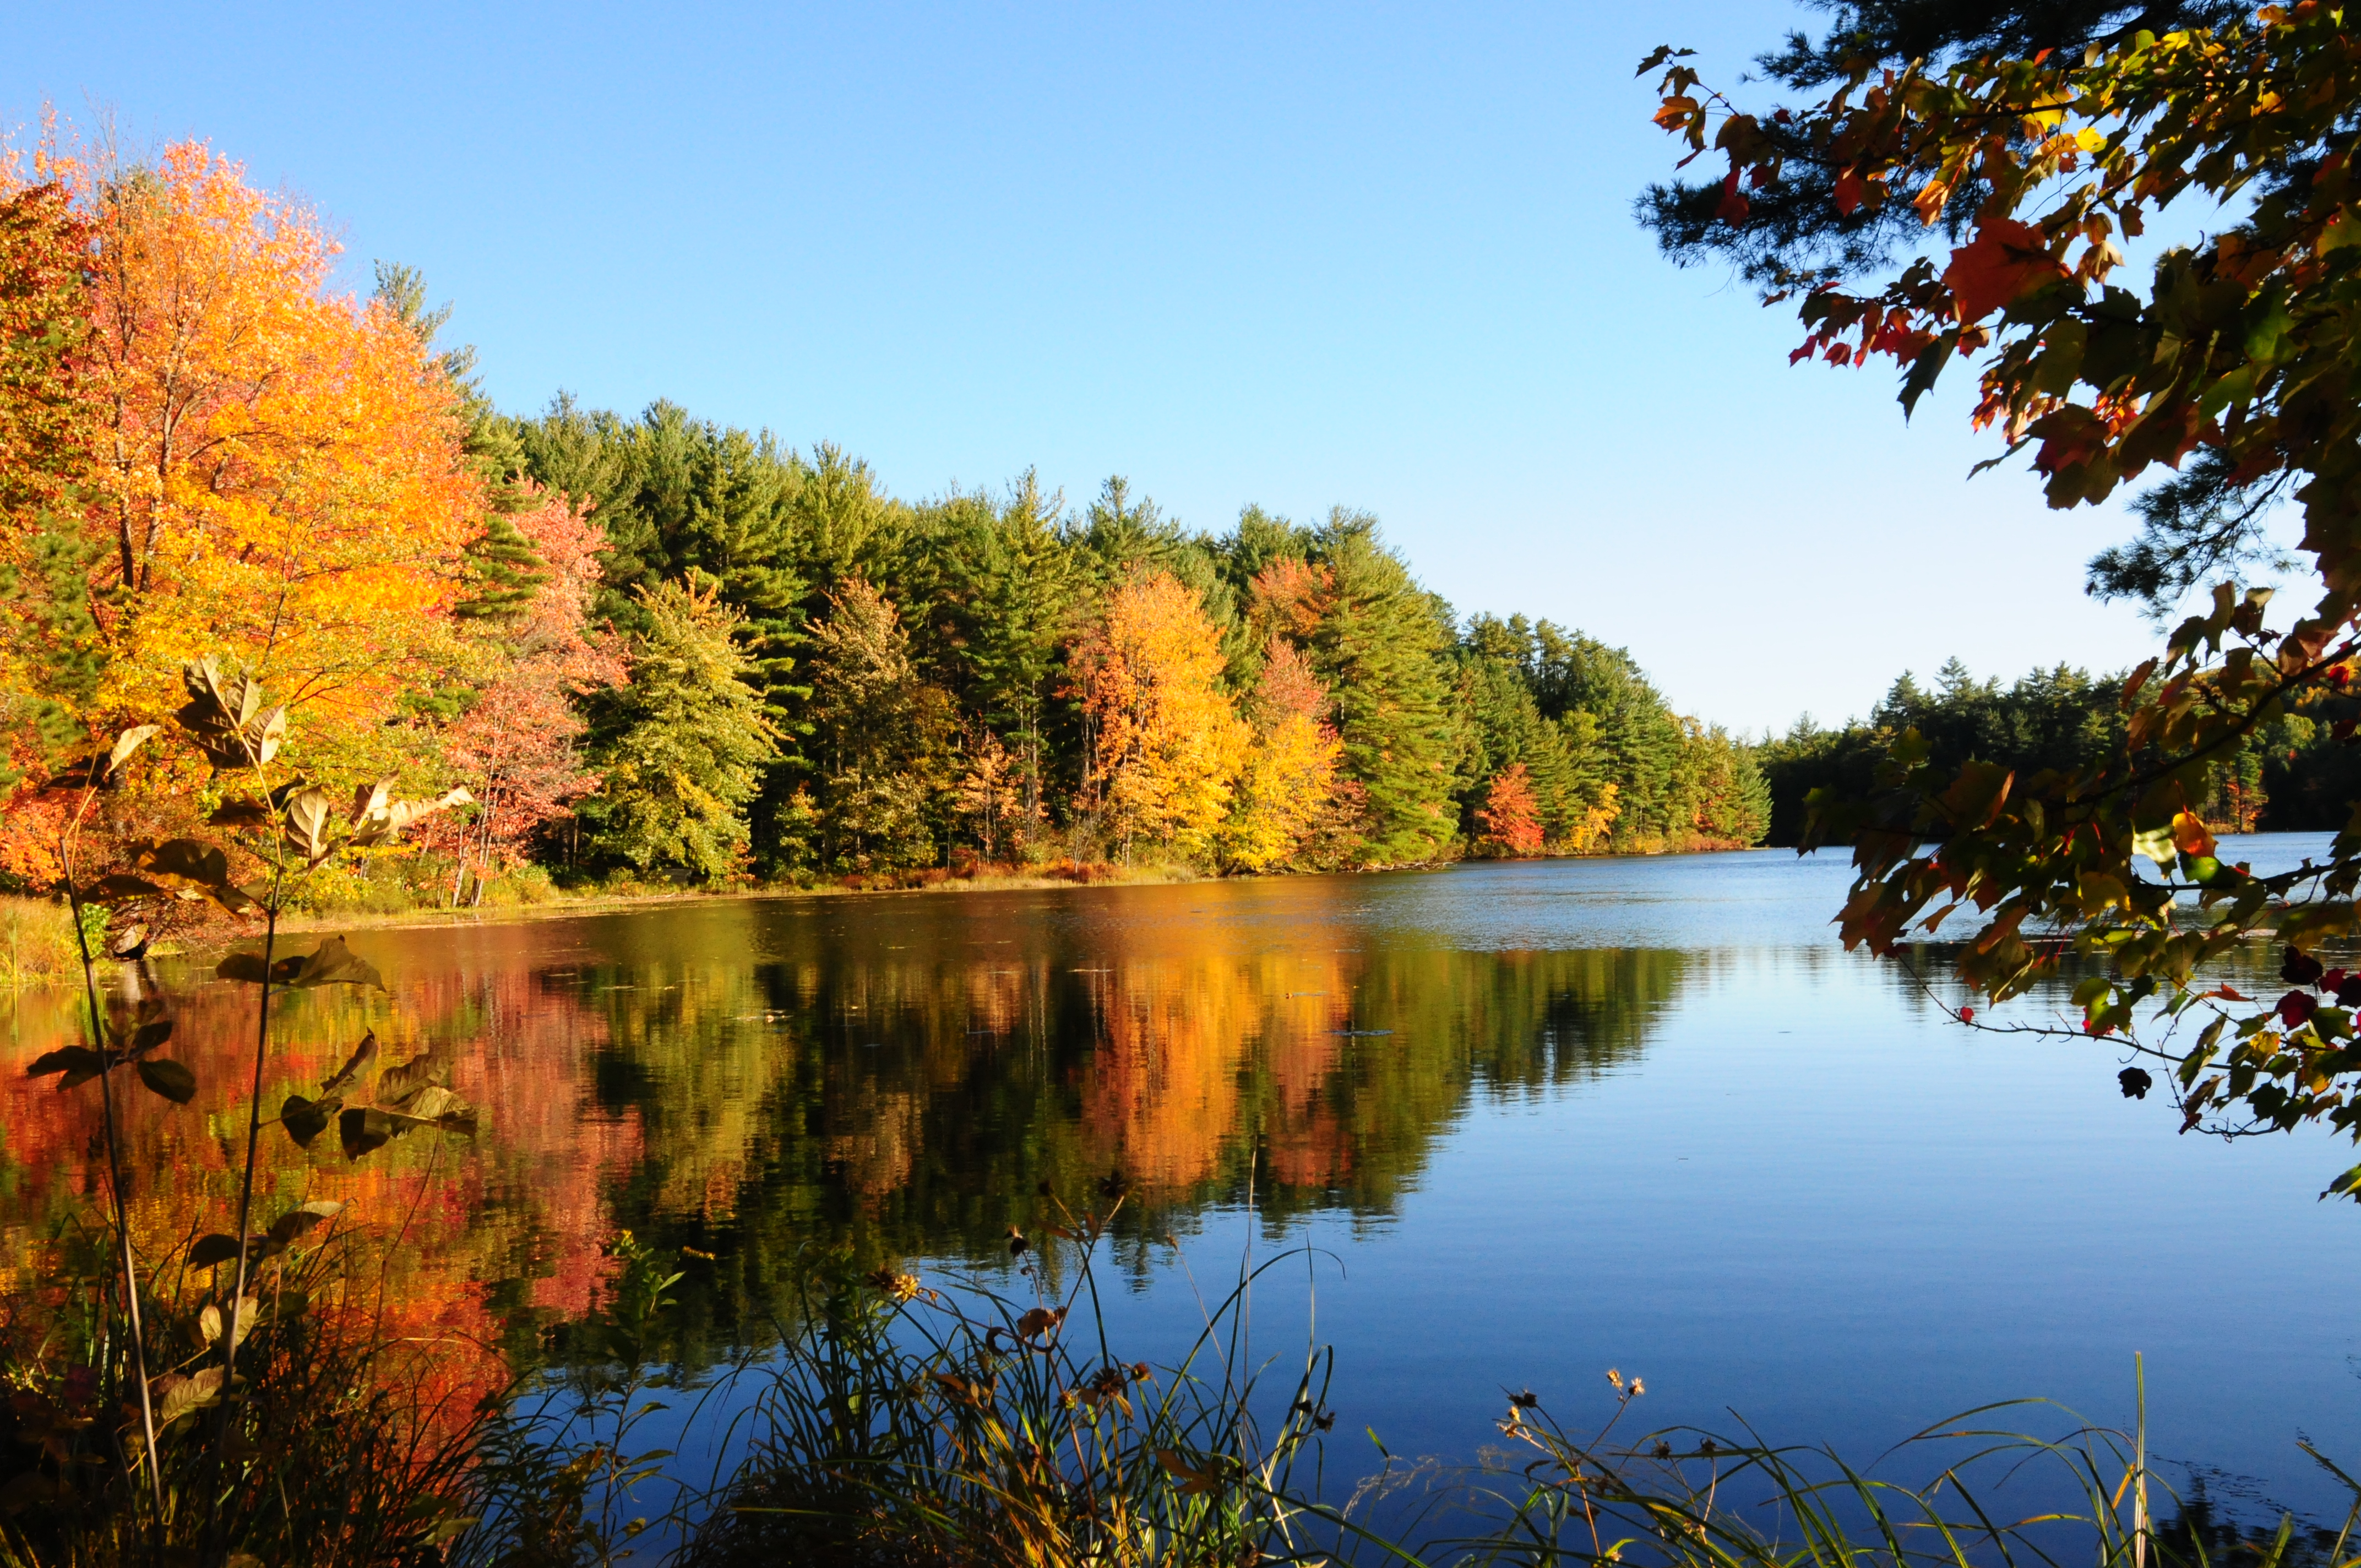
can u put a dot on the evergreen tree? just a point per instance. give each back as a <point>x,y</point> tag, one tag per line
<point>878,736</point>
<point>689,740</point>
<point>1378,647</point>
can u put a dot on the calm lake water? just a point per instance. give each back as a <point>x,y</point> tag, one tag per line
<point>1543,1119</point>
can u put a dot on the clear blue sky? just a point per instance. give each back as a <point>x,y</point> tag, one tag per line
<point>1300,256</point>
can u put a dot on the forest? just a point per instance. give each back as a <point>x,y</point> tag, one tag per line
<point>656,649</point>
<point>2293,773</point>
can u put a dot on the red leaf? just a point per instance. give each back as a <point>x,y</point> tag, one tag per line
<point>2005,262</point>
<point>1733,207</point>
<point>1849,193</point>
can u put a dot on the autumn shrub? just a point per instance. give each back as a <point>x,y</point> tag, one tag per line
<point>151,1436</point>
<point>521,887</point>
<point>355,1442</point>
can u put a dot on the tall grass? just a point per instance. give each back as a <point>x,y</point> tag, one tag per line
<point>37,943</point>
<point>903,1424</point>
<point>911,1424</point>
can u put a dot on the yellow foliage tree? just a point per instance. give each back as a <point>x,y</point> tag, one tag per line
<point>1290,777</point>
<point>1167,746</point>
<point>280,478</point>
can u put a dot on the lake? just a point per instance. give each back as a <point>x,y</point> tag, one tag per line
<point>1538,1119</point>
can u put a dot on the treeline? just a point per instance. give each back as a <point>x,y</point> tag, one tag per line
<point>2290,776</point>
<point>656,646</point>
<point>1007,676</point>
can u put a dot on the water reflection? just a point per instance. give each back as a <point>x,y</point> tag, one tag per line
<point>1555,1117</point>
<point>903,1073</point>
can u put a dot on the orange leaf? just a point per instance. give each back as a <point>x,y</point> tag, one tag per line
<point>2190,834</point>
<point>2005,262</point>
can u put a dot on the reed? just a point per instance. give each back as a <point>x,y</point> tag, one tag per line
<point>915,1426</point>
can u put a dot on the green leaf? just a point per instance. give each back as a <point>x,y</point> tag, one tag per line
<point>169,1078</point>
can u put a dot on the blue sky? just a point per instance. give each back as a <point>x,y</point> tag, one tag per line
<point>1376,255</point>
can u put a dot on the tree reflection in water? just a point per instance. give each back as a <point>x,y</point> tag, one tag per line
<point>897,1074</point>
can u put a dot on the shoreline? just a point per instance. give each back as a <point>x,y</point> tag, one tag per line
<point>590,905</point>
<point>1104,877</point>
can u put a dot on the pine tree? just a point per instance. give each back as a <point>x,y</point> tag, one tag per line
<point>689,740</point>
<point>1378,646</point>
<point>878,734</point>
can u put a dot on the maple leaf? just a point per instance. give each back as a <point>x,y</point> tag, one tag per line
<point>2005,262</point>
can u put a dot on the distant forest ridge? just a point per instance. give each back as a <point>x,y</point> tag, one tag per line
<point>2289,775</point>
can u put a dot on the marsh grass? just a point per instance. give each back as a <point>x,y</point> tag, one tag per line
<point>911,1424</point>
<point>908,1425</point>
<point>37,943</point>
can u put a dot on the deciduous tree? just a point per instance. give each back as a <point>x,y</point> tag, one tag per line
<point>1509,815</point>
<point>1287,787</point>
<point>283,475</point>
<point>1168,745</point>
<point>517,747</point>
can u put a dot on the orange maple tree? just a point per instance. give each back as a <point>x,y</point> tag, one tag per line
<point>1511,816</point>
<point>1168,745</point>
<point>280,480</point>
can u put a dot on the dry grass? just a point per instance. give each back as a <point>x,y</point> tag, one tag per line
<point>37,943</point>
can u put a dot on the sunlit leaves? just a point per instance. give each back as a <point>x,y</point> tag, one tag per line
<point>2242,343</point>
<point>210,1319</point>
<point>224,718</point>
<point>178,1397</point>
